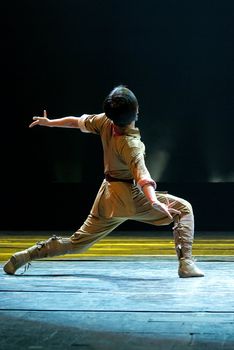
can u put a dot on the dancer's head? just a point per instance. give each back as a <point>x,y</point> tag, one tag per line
<point>121,106</point>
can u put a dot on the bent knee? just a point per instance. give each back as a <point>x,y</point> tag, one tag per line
<point>182,205</point>
<point>186,207</point>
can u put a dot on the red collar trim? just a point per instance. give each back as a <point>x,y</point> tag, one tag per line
<point>116,131</point>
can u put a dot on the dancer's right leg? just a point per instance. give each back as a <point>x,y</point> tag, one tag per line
<point>93,229</point>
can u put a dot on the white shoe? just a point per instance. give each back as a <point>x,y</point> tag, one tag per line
<point>187,268</point>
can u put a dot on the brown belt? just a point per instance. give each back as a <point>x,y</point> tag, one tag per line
<point>114,179</point>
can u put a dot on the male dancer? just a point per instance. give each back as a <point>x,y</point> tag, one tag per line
<point>127,192</point>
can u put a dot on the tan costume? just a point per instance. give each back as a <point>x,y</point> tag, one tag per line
<point>118,201</point>
<point>119,198</point>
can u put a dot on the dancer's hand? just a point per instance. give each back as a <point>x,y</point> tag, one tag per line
<point>40,120</point>
<point>166,208</point>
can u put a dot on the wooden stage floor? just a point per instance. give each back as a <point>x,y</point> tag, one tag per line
<point>124,294</point>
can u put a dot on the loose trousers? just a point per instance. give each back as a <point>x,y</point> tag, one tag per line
<point>115,199</point>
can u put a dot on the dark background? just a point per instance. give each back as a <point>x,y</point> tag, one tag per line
<point>65,56</point>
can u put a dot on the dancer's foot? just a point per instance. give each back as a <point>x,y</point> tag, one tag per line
<point>187,268</point>
<point>16,261</point>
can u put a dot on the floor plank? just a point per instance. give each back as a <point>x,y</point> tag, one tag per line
<point>105,302</point>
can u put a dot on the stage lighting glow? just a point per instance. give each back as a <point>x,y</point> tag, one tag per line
<point>157,163</point>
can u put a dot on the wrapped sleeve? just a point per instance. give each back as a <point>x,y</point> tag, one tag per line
<point>133,154</point>
<point>92,123</point>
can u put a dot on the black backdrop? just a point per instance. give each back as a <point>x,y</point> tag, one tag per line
<point>65,56</point>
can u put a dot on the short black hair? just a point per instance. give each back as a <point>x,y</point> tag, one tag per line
<point>121,106</point>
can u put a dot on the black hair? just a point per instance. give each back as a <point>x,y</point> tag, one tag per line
<point>121,106</point>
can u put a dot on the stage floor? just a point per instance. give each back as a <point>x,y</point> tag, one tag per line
<point>124,298</point>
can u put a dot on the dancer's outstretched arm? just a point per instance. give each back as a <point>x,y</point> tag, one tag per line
<point>66,122</point>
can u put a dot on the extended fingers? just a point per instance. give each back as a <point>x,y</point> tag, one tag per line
<point>171,204</point>
<point>171,210</point>
<point>168,214</point>
<point>166,208</point>
<point>38,118</point>
<point>34,123</point>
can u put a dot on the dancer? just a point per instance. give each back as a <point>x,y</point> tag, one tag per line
<point>127,192</point>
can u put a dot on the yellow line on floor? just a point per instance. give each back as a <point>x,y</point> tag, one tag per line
<point>124,246</point>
